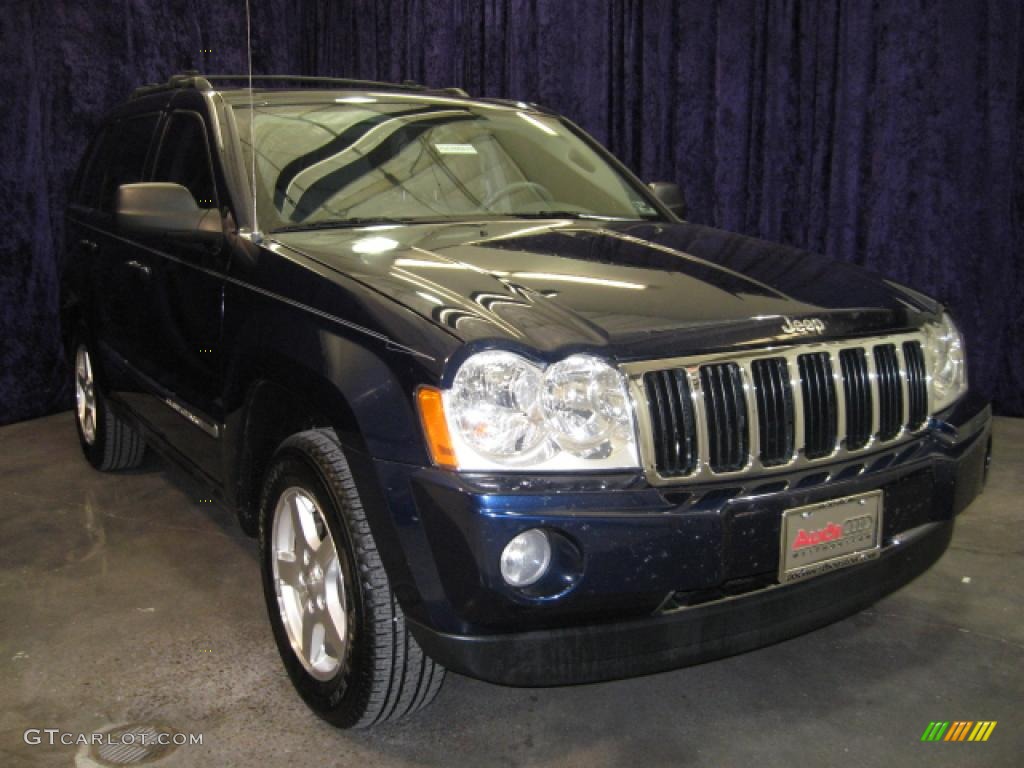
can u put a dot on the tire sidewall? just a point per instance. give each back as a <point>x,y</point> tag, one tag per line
<point>341,699</point>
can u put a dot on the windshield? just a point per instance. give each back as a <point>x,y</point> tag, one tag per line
<point>344,164</point>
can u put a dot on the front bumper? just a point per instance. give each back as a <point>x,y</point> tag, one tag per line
<point>649,579</point>
<point>687,635</point>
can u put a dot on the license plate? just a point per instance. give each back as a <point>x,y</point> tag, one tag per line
<point>829,535</point>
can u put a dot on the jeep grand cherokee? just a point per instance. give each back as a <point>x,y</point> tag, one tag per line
<point>489,403</point>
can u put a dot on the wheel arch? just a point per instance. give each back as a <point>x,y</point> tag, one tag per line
<point>359,395</point>
<point>272,410</point>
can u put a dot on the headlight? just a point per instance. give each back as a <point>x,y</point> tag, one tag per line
<point>505,412</point>
<point>493,404</point>
<point>586,407</point>
<point>947,362</point>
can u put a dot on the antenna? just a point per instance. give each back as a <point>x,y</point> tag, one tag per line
<point>256,236</point>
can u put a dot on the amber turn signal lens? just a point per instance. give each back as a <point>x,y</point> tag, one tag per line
<point>435,426</point>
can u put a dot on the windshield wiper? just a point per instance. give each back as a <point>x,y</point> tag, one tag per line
<point>365,221</point>
<point>567,215</point>
<point>370,221</point>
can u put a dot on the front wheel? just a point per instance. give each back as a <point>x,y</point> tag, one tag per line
<point>338,627</point>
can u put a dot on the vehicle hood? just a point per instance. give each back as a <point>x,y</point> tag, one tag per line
<point>632,290</point>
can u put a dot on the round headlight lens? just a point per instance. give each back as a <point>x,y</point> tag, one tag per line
<point>526,558</point>
<point>494,402</point>
<point>947,362</point>
<point>503,411</point>
<point>586,406</point>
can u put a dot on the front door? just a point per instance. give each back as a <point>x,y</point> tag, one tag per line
<point>182,357</point>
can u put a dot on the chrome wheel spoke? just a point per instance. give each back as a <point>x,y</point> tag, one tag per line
<point>289,568</point>
<point>334,636</point>
<point>335,611</point>
<point>325,556</point>
<point>304,523</point>
<point>312,638</point>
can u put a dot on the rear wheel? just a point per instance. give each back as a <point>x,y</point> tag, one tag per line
<point>338,627</point>
<point>108,441</point>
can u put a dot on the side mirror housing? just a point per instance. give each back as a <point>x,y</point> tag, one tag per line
<point>162,208</point>
<point>671,196</point>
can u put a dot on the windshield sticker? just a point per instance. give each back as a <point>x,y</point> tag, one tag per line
<point>455,149</point>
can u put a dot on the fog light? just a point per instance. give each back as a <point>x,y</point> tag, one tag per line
<point>526,558</point>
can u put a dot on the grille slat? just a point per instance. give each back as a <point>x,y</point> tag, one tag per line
<point>726,415</point>
<point>917,384</point>
<point>854,366</point>
<point>774,409</point>
<point>672,421</point>
<point>795,406</point>
<point>820,413</point>
<point>890,392</point>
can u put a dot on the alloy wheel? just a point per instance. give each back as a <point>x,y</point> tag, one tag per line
<point>85,394</point>
<point>310,583</point>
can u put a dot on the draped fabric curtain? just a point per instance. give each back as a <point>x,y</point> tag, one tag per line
<point>889,134</point>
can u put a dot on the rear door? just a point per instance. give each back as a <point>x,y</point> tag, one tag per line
<point>115,280</point>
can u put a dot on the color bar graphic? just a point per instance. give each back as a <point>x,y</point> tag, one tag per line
<point>958,730</point>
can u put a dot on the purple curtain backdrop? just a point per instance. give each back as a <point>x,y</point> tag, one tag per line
<point>886,134</point>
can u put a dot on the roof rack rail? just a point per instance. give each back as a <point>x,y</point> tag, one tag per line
<point>195,79</point>
<point>405,85</point>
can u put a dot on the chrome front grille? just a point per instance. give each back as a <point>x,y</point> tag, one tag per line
<point>773,409</point>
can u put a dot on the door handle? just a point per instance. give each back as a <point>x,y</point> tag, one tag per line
<point>90,245</point>
<point>139,267</point>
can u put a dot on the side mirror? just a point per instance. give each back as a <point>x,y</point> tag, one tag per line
<point>162,208</point>
<point>670,195</point>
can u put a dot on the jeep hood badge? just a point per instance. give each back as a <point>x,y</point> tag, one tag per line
<point>810,325</point>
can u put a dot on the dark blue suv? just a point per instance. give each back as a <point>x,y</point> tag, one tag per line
<point>488,401</point>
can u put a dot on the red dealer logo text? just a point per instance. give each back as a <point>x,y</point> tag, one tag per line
<point>831,532</point>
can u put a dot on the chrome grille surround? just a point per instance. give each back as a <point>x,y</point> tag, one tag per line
<point>701,469</point>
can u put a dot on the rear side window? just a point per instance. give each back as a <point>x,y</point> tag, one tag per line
<point>185,158</point>
<point>125,157</point>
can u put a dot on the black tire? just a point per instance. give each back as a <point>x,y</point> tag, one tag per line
<point>116,443</point>
<point>385,675</point>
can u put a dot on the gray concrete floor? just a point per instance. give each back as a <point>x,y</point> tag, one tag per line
<point>128,598</point>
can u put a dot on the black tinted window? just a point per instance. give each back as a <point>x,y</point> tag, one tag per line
<point>94,168</point>
<point>185,158</point>
<point>126,159</point>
